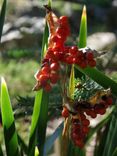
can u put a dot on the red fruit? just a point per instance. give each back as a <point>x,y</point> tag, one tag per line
<point>74,136</point>
<point>79,143</point>
<point>47,88</point>
<point>55,66</point>
<point>69,60</point>
<point>92,63</point>
<point>62,33</point>
<point>109,101</point>
<point>82,116</point>
<point>43,78</point>
<point>89,55</point>
<point>83,64</point>
<point>58,55</point>
<point>93,114</point>
<point>86,122</point>
<point>65,112</point>
<point>102,111</point>
<point>54,78</point>
<point>55,38</point>
<point>85,129</point>
<point>80,54</point>
<point>73,50</point>
<point>77,61</point>
<point>45,70</point>
<point>63,20</point>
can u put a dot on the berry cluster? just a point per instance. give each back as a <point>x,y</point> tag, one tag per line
<point>57,54</point>
<point>80,123</point>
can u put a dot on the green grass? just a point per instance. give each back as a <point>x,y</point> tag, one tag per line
<point>19,76</point>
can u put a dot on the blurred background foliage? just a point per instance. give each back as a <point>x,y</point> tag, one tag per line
<point>22,38</point>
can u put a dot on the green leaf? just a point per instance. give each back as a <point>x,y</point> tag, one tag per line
<point>83,30</point>
<point>40,111</point>
<point>100,78</point>
<point>49,3</point>
<point>34,123</point>
<point>45,41</point>
<point>36,151</point>
<point>22,144</point>
<point>115,152</point>
<point>42,122</point>
<point>72,83</point>
<point>2,17</point>
<point>111,142</point>
<point>1,152</point>
<point>50,141</point>
<point>10,134</point>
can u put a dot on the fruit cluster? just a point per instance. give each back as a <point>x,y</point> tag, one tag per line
<point>80,123</point>
<point>57,54</point>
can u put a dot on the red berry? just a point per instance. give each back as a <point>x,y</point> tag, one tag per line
<point>86,122</point>
<point>92,63</point>
<point>63,20</point>
<point>55,66</point>
<point>47,88</point>
<point>79,143</point>
<point>109,101</point>
<point>55,38</point>
<point>82,116</point>
<point>102,111</point>
<point>45,70</point>
<point>83,64</point>
<point>54,78</point>
<point>73,50</point>
<point>89,55</point>
<point>93,114</point>
<point>43,78</point>
<point>65,112</point>
<point>69,60</point>
<point>85,129</point>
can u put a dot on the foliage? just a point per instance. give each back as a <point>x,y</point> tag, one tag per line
<point>42,109</point>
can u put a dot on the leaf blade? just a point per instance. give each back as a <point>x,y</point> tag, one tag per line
<point>2,17</point>
<point>83,29</point>
<point>10,135</point>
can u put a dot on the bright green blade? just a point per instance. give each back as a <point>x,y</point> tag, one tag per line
<point>34,123</point>
<point>45,41</point>
<point>72,83</point>
<point>83,30</point>
<point>2,16</point>
<point>10,135</point>
<point>36,151</point>
<point>42,123</point>
<point>40,111</point>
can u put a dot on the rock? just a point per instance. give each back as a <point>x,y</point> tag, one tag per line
<point>101,41</point>
<point>7,27</point>
<point>25,32</point>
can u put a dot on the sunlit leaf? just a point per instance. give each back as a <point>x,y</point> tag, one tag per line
<point>83,30</point>
<point>36,151</point>
<point>34,123</point>
<point>72,83</point>
<point>10,134</point>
